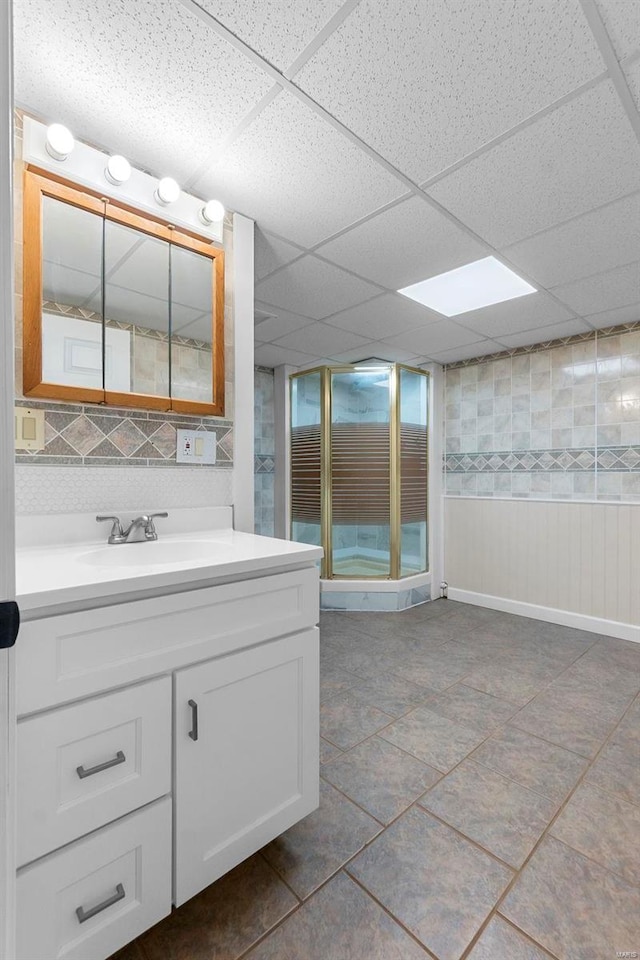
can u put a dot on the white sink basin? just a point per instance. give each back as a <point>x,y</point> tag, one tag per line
<point>156,553</point>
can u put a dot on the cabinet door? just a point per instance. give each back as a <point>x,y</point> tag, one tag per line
<point>246,755</point>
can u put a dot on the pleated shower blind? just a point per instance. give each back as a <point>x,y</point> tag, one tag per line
<point>306,490</point>
<point>360,473</point>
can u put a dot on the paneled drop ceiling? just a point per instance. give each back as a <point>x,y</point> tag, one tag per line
<point>376,143</point>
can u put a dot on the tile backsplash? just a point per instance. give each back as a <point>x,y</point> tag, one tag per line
<point>87,435</point>
<point>557,421</point>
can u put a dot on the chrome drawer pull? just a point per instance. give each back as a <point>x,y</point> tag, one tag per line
<point>84,915</point>
<point>119,758</point>
<point>193,733</point>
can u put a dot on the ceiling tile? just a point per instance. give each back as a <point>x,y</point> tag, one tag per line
<point>199,329</point>
<point>425,341</point>
<point>397,73</point>
<point>622,20</point>
<point>271,253</point>
<point>578,157</point>
<point>611,318</point>
<point>604,291</point>
<point>316,362</point>
<point>603,238</point>
<point>297,176</point>
<point>545,334</point>
<point>411,241</point>
<point>535,310</point>
<point>378,351</point>
<point>313,288</point>
<point>270,355</point>
<point>319,340</point>
<point>468,353</point>
<point>370,351</point>
<point>278,323</point>
<point>384,316</point>
<point>140,77</point>
<point>276,29</point>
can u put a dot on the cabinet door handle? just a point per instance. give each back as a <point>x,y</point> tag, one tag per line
<point>84,915</point>
<point>193,733</point>
<point>89,772</point>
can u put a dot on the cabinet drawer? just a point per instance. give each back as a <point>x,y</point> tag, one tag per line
<point>75,655</point>
<point>93,897</point>
<point>84,765</point>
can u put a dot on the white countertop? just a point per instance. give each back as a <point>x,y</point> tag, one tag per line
<point>63,576</point>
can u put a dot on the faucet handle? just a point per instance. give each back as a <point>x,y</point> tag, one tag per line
<point>117,533</point>
<point>150,529</point>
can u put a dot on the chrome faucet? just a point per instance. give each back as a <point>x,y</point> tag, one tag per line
<point>139,530</point>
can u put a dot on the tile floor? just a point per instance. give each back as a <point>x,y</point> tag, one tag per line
<point>479,799</point>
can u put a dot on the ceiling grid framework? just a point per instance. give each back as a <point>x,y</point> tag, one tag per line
<point>375,148</point>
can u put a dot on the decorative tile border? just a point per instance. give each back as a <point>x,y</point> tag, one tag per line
<point>618,459</point>
<point>89,435</point>
<point>264,464</point>
<point>547,345</point>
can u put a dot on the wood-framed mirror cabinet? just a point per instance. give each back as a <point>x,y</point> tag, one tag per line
<point>118,308</point>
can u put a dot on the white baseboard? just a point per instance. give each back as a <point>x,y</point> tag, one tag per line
<point>566,618</point>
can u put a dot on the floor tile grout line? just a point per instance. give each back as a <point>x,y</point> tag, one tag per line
<point>527,936</point>
<point>614,873</point>
<point>546,833</point>
<point>392,916</point>
<point>263,856</point>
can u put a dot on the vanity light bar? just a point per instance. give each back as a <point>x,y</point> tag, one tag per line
<point>48,147</point>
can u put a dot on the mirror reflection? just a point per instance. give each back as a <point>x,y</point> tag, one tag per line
<point>122,310</point>
<point>191,328</point>
<point>136,300</point>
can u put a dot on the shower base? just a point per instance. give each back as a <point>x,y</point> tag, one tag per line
<point>375,594</point>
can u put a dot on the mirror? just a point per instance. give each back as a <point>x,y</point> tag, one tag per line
<point>118,308</point>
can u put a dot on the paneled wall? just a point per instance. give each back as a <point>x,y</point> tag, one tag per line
<point>557,422</point>
<point>579,557</point>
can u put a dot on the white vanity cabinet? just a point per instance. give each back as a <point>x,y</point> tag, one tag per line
<point>161,741</point>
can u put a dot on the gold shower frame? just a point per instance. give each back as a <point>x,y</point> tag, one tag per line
<point>395,506</point>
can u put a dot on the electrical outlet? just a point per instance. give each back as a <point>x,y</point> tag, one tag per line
<point>196,446</point>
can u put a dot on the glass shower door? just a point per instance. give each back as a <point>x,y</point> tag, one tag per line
<point>360,473</point>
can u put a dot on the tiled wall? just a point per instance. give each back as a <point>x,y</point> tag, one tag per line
<point>558,421</point>
<point>90,435</point>
<point>264,450</point>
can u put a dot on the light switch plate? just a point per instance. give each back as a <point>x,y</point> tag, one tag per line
<point>196,446</point>
<point>29,429</point>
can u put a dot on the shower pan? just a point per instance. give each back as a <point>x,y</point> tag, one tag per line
<point>359,472</point>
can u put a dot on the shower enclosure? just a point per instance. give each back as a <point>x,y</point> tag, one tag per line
<point>359,459</point>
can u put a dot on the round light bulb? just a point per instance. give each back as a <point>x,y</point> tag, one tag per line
<point>60,141</point>
<point>167,191</point>
<point>118,170</point>
<point>212,212</point>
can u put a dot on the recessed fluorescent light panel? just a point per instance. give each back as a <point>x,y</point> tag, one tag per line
<point>475,285</point>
